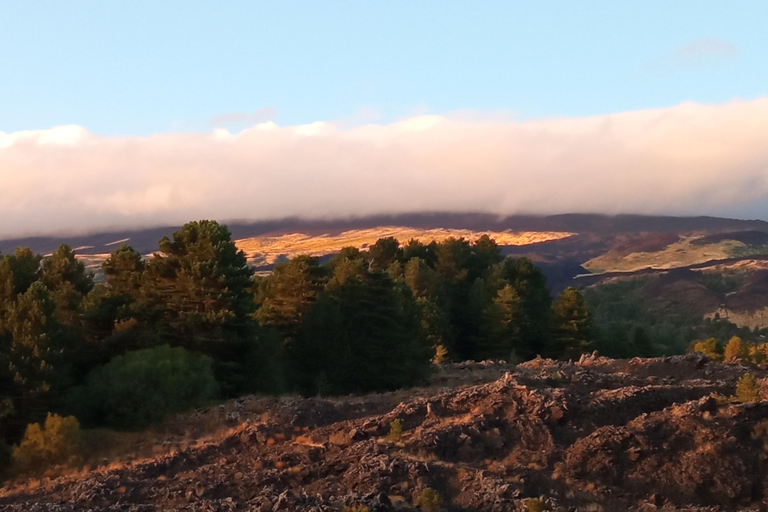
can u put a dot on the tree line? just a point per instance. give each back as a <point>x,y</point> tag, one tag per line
<point>193,324</point>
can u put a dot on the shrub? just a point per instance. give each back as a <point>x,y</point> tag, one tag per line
<point>441,354</point>
<point>357,507</point>
<point>736,349</point>
<point>746,390</point>
<point>708,347</point>
<point>57,442</point>
<point>141,387</point>
<point>535,505</point>
<point>429,500</point>
<point>395,431</point>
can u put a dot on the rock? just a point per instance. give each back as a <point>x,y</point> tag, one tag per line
<point>595,435</point>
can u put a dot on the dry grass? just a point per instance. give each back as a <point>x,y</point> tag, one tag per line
<point>679,254</point>
<point>264,250</point>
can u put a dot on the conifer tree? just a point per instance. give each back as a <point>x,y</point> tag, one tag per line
<point>573,325</point>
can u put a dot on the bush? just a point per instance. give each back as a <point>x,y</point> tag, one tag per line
<point>535,505</point>
<point>142,387</point>
<point>429,500</point>
<point>708,347</point>
<point>736,349</point>
<point>746,390</point>
<point>57,442</point>
<point>395,431</point>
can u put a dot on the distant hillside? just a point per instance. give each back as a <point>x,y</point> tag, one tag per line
<point>566,247</point>
<point>145,240</point>
<point>264,251</point>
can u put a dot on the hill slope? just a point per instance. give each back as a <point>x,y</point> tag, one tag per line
<point>596,435</point>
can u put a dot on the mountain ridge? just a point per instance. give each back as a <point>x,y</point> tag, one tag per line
<point>144,240</point>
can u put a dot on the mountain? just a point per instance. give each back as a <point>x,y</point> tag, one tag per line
<point>578,250</point>
<point>145,240</point>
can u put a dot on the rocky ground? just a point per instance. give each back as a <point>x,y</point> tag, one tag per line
<point>600,434</point>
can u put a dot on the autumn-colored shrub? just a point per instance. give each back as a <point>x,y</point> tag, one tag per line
<point>395,431</point>
<point>708,347</point>
<point>535,505</point>
<point>746,390</point>
<point>55,443</point>
<point>357,507</point>
<point>429,499</point>
<point>736,349</point>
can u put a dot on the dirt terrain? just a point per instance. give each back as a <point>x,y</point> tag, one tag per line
<point>598,434</point>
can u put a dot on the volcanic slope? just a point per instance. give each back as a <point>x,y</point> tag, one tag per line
<point>600,434</point>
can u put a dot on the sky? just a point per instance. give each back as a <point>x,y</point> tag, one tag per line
<point>126,114</point>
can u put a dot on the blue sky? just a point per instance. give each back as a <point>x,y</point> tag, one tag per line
<point>127,114</point>
<point>137,68</point>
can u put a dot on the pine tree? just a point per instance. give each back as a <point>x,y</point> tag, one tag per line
<point>573,325</point>
<point>362,335</point>
<point>502,336</point>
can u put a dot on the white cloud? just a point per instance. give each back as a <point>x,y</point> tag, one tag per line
<point>688,159</point>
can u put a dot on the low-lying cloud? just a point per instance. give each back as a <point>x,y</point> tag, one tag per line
<point>689,159</point>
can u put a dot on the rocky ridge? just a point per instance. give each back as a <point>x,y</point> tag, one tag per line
<point>598,434</point>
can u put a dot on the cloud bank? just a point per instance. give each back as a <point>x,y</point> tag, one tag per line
<point>690,159</point>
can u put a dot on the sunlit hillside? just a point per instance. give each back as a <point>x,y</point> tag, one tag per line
<point>265,250</point>
<point>688,250</point>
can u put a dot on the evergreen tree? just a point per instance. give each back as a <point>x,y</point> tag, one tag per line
<point>535,319</point>
<point>420,278</point>
<point>384,252</point>
<point>573,325</point>
<point>112,309</point>
<point>502,338</point>
<point>197,292</point>
<point>18,271</point>
<point>415,249</point>
<point>289,292</point>
<point>66,280</point>
<point>362,335</point>
<point>35,349</point>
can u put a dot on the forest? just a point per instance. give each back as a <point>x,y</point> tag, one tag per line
<point>193,324</point>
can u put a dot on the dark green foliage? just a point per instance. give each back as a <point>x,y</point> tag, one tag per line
<point>573,325</point>
<point>287,294</point>
<point>196,292</point>
<point>189,323</point>
<point>362,335</point>
<point>420,278</point>
<point>18,271</point>
<point>384,252</point>
<point>627,324</point>
<point>199,285</point>
<point>503,329</point>
<point>35,354</point>
<point>415,249</point>
<point>142,387</point>
<point>535,316</point>
<point>719,283</point>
